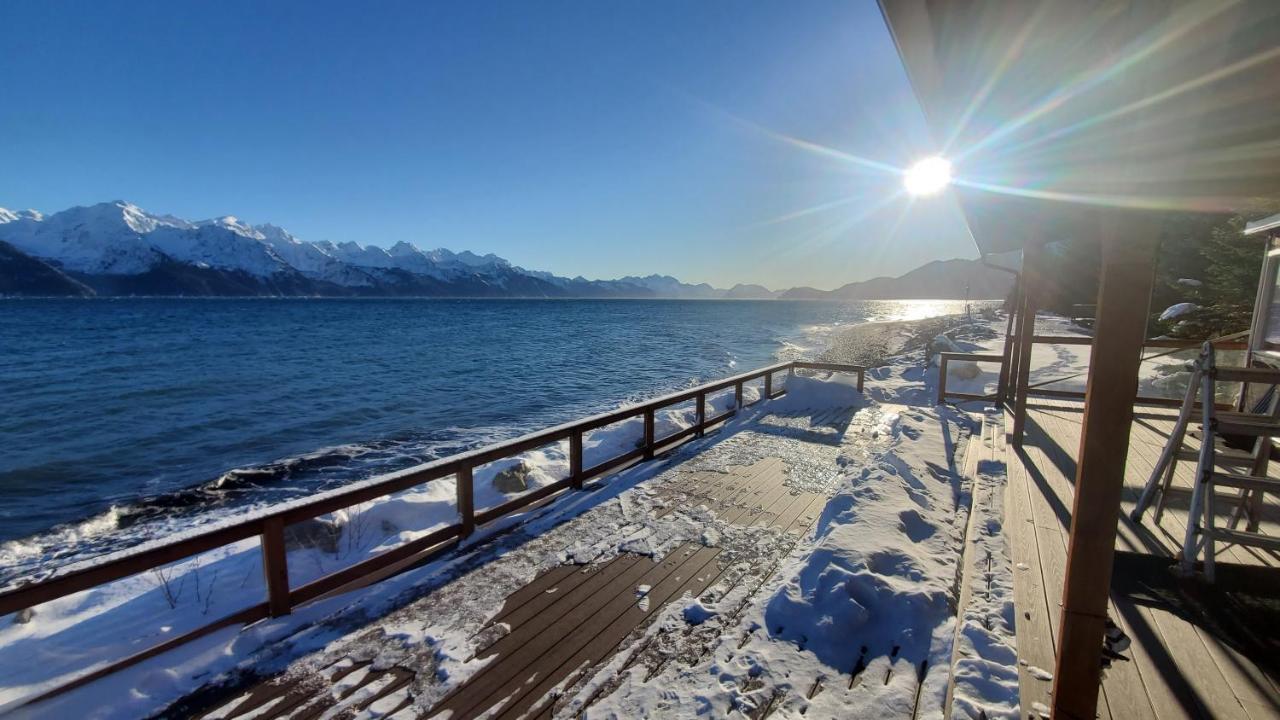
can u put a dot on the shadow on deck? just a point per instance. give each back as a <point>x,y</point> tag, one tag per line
<point>1198,651</point>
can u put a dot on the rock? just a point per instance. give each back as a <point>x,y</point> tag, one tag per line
<point>941,344</point>
<point>514,479</point>
<point>24,616</point>
<point>314,533</point>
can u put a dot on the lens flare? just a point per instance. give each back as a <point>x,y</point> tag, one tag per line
<point>927,176</point>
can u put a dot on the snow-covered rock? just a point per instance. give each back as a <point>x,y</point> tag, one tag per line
<point>1178,310</point>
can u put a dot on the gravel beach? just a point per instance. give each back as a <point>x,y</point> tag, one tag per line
<point>870,344</point>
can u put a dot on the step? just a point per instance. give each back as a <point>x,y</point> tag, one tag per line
<point>1265,376</point>
<point>1266,542</point>
<point>1235,423</point>
<point>1247,482</point>
<point>1226,457</point>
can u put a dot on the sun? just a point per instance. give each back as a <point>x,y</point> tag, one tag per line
<point>927,176</point>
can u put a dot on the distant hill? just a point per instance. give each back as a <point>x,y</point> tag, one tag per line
<point>937,280</point>
<point>750,292</point>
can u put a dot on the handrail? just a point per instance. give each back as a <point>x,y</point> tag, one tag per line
<point>947,357</point>
<point>1165,344</point>
<point>269,527</point>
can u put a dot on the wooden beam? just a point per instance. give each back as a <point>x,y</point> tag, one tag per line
<point>1031,258</point>
<point>1006,366</point>
<point>1128,264</point>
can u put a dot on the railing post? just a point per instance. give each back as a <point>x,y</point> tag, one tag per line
<point>861,377</point>
<point>648,434</point>
<point>275,566</point>
<point>466,500</point>
<point>768,385</point>
<point>575,459</point>
<point>942,379</point>
<point>737,395</point>
<point>702,412</point>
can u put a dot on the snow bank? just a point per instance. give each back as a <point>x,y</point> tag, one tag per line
<point>985,674</point>
<point>872,587</point>
<point>837,390</point>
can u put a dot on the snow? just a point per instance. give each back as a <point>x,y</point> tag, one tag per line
<point>879,570</point>
<point>985,675</point>
<point>104,238</point>
<point>1178,310</point>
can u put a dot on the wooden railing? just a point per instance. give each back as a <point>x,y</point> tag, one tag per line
<point>270,527</point>
<point>1037,389</point>
<point>945,358</point>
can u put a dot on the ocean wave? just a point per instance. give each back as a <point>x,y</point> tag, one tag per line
<point>238,491</point>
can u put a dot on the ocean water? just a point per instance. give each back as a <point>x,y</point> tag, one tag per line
<point>120,418</point>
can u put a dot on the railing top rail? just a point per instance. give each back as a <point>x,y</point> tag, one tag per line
<point>1172,343</point>
<point>976,357</point>
<point>101,570</point>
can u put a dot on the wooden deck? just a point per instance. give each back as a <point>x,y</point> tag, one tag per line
<point>1197,651</point>
<point>564,623</point>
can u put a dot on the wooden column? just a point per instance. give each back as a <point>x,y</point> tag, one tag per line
<point>1031,258</point>
<point>1128,262</point>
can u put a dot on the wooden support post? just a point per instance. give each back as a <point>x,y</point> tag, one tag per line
<point>575,459</point>
<point>1010,356</point>
<point>1128,262</point>
<point>1026,330</point>
<point>768,385</point>
<point>648,434</point>
<point>737,395</point>
<point>466,500</point>
<point>275,566</point>
<point>702,413</point>
<point>862,373</point>
<point>942,380</point>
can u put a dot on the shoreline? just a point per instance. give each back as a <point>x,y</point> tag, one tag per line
<point>872,344</point>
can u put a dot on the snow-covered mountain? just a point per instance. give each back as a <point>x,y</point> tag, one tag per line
<point>117,248</point>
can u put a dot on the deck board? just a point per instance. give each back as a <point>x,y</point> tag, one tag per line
<point>553,641</point>
<point>1176,668</point>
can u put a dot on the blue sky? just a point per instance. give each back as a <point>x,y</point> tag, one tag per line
<point>585,138</point>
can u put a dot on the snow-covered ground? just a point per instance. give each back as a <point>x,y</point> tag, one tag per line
<point>882,563</point>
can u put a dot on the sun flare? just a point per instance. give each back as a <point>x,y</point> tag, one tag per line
<point>927,176</point>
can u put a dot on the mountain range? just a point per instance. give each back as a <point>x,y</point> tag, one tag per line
<point>119,249</point>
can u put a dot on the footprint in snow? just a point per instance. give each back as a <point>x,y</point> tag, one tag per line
<point>916,527</point>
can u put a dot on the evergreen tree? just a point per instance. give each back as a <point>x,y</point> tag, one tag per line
<point>1207,261</point>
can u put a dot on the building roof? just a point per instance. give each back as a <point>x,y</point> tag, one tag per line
<point>1049,110</point>
<point>1263,225</point>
